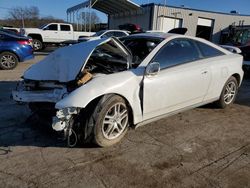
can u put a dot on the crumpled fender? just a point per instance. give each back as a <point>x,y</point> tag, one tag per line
<point>125,84</point>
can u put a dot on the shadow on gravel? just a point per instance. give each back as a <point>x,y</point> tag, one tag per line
<point>243,97</point>
<point>17,128</point>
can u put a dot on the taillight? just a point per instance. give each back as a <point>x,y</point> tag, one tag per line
<point>137,27</point>
<point>23,42</point>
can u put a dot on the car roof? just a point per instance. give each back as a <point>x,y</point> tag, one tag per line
<point>154,35</point>
<point>114,30</point>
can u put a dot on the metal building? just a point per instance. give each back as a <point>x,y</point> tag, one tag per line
<point>201,23</point>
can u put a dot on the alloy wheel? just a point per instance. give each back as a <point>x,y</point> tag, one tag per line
<point>8,61</point>
<point>37,45</point>
<point>230,92</point>
<point>115,121</point>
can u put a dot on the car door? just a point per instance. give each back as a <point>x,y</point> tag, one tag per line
<point>182,81</point>
<point>50,33</point>
<point>65,33</point>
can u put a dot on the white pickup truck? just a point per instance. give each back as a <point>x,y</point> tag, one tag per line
<point>53,33</point>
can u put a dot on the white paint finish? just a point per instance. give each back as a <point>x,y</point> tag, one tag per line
<point>176,87</point>
<point>222,68</point>
<point>64,64</point>
<point>205,22</point>
<point>126,84</point>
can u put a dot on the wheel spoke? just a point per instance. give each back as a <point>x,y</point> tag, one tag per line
<point>110,130</point>
<point>119,126</point>
<point>226,96</point>
<point>109,117</point>
<point>107,122</point>
<point>228,89</point>
<point>123,116</point>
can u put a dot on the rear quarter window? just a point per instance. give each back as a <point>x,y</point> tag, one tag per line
<point>208,51</point>
<point>65,27</point>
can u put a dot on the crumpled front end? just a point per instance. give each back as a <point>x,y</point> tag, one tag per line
<point>61,76</point>
<point>33,91</point>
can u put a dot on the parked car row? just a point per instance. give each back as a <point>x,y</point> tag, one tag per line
<point>14,48</point>
<point>53,33</point>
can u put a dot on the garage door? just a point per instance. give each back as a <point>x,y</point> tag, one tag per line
<point>204,28</point>
<point>170,23</point>
<point>205,22</point>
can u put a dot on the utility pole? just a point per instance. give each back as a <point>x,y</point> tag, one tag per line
<point>163,14</point>
<point>22,20</point>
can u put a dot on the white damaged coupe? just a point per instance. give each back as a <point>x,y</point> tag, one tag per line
<point>94,91</point>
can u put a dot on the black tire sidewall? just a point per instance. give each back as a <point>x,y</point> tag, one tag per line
<point>99,114</point>
<point>12,54</point>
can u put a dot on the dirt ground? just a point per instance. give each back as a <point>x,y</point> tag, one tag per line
<point>204,147</point>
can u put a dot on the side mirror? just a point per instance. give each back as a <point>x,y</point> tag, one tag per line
<point>153,69</point>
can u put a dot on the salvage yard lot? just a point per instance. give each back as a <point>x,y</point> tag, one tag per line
<point>204,147</point>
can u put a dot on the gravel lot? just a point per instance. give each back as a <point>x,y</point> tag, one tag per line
<point>204,147</point>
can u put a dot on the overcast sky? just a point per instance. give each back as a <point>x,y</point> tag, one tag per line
<point>57,8</point>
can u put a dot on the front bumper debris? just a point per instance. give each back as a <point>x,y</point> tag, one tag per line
<point>62,118</point>
<point>53,95</point>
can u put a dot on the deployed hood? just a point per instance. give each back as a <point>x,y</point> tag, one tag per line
<point>64,64</point>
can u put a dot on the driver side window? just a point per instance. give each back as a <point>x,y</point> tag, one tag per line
<point>176,52</point>
<point>52,27</point>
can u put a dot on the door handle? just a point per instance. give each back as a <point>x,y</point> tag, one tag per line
<point>204,72</point>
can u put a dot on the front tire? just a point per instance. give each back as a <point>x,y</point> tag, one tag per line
<point>110,121</point>
<point>8,61</point>
<point>228,94</point>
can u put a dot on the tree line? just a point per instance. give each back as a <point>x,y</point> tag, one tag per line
<point>30,17</point>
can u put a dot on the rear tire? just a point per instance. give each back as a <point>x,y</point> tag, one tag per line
<point>109,121</point>
<point>8,61</point>
<point>37,45</point>
<point>228,94</point>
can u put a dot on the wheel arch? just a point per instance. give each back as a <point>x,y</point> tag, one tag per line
<point>13,52</point>
<point>237,77</point>
<point>130,108</point>
<point>36,36</point>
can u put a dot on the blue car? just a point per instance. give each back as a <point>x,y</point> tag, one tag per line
<point>14,48</point>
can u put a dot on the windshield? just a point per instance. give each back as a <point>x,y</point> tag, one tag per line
<point>140,47</point>
<point>42,26</point>
<point>108,58</point>
<point>99,33</point>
